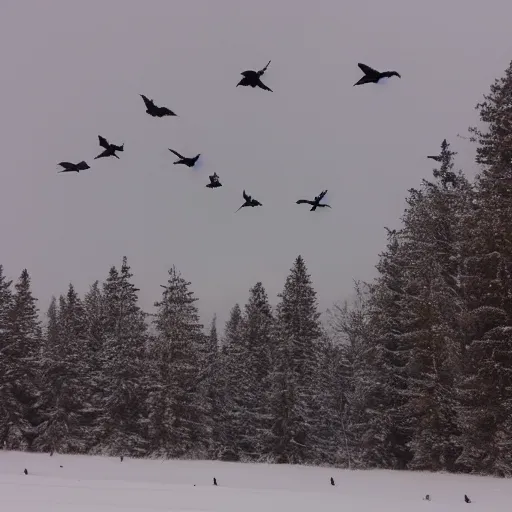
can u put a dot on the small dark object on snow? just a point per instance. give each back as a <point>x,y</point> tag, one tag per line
<point>252,78</point>
<point>214,181</point>
<point>437,158</point>
<point>189,162</point>
<point>466,499</point>
<point>332,480</point>
<point>25,471</point>
<point>155,111</point>
<point>214,481</point>
<point>110,149</point>
<point>427,497</point>
<point>249,201</point>
<point>70,167</point>
<point>51,453</point>
<point>122,458</point>
<point>316,202</point>
<point>372,76</point>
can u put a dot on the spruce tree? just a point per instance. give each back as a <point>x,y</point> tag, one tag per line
<point>294,425</point>
<point>5,340</point>
<point>64,376</point>
<point>484,388</point>
<point>21,359</point>
<point>124,416</point>
<point>177,405</point>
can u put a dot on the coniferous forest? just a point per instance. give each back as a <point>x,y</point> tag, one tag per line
<point>414,373</point>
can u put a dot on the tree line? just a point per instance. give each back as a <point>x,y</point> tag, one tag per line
<point>414,373</point>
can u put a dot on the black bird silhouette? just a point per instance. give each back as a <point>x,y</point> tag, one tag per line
<point>466,499</point>
<point>155,111</point>
<point>69,167</point>
<point>427,497</point>
<point>25,471</point>
<point>249,201</point>
<point>316,203</point>
<point>214,181</point>
<point>214,481</point>
<point>252,78</point>
<point>61,466</point>
<point>437,158</point>
<point>110,149</point>
<point>189,162</point>
<point>332,480</point>
<point>372,75</point>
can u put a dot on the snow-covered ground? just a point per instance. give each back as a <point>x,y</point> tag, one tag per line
<point>103,484</point>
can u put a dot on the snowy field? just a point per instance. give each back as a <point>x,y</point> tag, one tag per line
<point>103,484</point>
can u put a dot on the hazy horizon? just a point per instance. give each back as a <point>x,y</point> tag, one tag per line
<point>75,70</point>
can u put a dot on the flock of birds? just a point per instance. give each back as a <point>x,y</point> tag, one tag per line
<point>250,78</point>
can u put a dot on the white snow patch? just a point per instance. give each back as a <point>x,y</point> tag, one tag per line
<point>103,484</point>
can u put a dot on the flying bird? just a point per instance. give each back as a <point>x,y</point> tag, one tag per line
<point>252,78</point>
<point>249,201</point>
<point>427,497</point>
<point>69,167</point>
<point>316,202</point>
<point>466,499</point>
<point>437,158</point>
<point>155,111</point>
<point>332,480</point>
<point>25,471</point>
<point>372,75</point>
<point>214,181</point>
<point>110,149</point>
<point>189,162</point>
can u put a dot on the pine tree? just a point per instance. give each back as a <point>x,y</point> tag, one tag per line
<point>5,340</point>
<point>294,425</point>
<point>235,386</point>
<point>432,313</point>
<point>484,388</point>
<point>21,359</point>
<point>64,393</point>
<point>124,417</point>
<point>177,402</point>
<point>257,333</point>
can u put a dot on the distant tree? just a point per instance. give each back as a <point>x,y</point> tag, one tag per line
<point>235,386</point>
<point>294,427</point>
<point>177,403</point>
<point>257,332</point>
<point>20,356</point>
<point>64,394</point>
<point>485,391</point>
<point>6,300</point>
<point>124,418</point>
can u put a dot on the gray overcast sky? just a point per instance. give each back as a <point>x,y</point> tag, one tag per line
<point>72,70</point>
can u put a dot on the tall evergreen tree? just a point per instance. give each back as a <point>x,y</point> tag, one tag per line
<point>294,425</point>
<point>21,359</point>
<point>124,419</point>
<point>177,401</point>
<point>64,374</point>
<point>485,390</point>
<point>5,339</point>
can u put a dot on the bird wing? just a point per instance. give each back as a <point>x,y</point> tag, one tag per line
<point>165,111</point>
<point>176,153</point>
<point>82,166</point>
<point>246,197</point>
<point>149,103</point>
<point>436,158</point>
<point>302,201</point>
<point>322,194</point>
<point>118,148</point>
<point>66,165</point>
<point>256,203</point>
<point>323,205</point>
<point>103,142</point>
<point>106,152</point>
<point>367,70</point>
<point>248,73</point>
<point>263,86</point>
<point>240,207</point>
